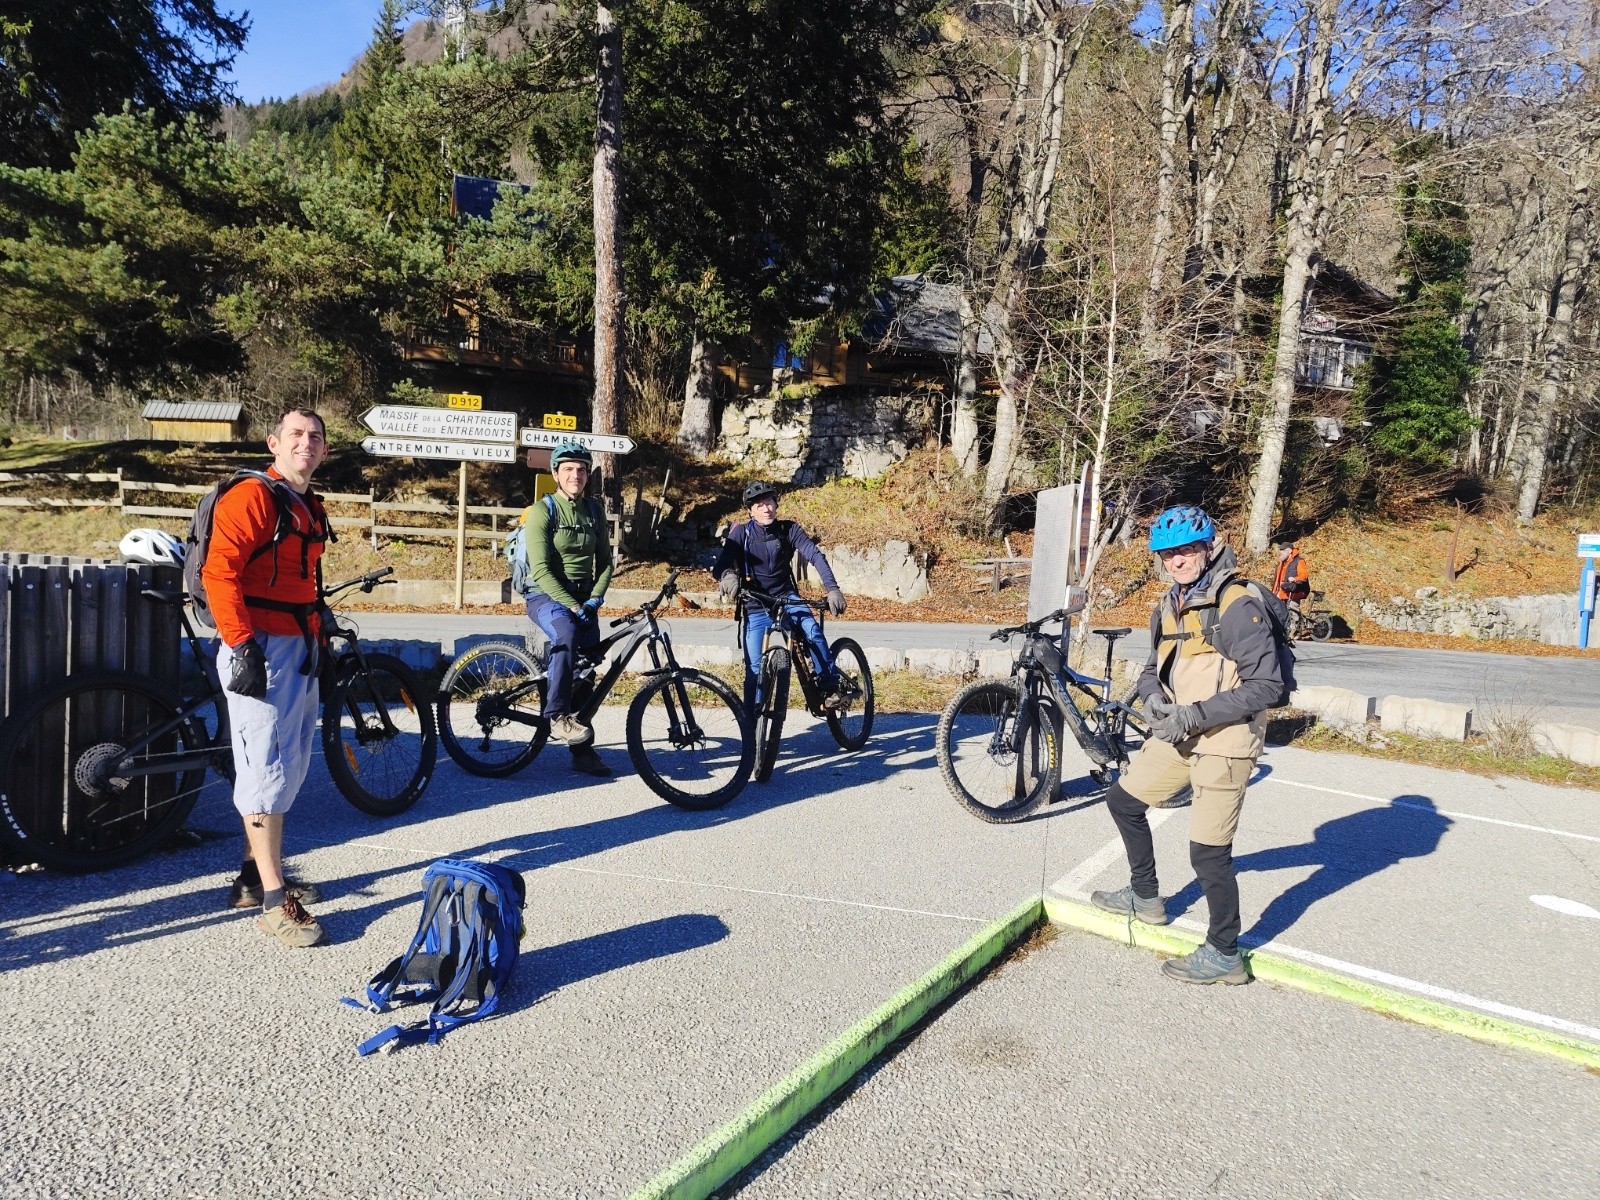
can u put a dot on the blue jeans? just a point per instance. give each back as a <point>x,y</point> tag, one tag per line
<point>756,623</point>
<point>566,633</point>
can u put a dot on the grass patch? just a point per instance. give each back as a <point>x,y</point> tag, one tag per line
<point>1480,755</point>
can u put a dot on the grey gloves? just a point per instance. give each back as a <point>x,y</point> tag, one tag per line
<point>835,600</point>
<point>248,674</point>
<point>1173,722</point>
<point>728,585</point>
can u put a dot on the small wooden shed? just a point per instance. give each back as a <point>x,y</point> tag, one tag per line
<point>196,421</point>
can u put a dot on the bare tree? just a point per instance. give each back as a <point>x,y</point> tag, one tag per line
<point>609,311</point>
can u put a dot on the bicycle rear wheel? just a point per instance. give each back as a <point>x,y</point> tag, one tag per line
<point>999,757</point>
<point>1321,628</point>
<point>851,724</point>
<point>98,771</point>
<point>378,735</point>
<point>774,692</point>
<point>689,739</point>
<point>491,709</point>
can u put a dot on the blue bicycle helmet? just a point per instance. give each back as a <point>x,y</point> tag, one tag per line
<point>1179,526</point>
<point>570,450</point>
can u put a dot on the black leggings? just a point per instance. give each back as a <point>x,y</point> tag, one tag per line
<point>1213,867</point>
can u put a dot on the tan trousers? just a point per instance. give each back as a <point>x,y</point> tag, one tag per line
<point>1160,771</point>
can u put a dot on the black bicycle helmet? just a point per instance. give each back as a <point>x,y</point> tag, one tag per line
<point>757,490</point>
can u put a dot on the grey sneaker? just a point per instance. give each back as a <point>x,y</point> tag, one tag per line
<point>1207,965</point>
<point>291,924</point>
<point>249,895</point>
<point>1125,903</point>
<point>567,728</point>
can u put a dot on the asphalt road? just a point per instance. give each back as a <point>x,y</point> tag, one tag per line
<point>679,964</point>
<point>1555,688</point>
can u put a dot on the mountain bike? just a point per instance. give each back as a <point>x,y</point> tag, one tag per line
<point>850,722</point>
<point>1310,619</point>
<point>107,765</point>
<point>999,740</point>
<point>686,730</point>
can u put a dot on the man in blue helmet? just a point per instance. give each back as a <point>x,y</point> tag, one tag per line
<point>569,563</point>
<point>1213,673</point>
<point>758,552</point>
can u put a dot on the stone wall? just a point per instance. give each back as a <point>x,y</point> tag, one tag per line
<point>888,572</point>
<point>1549,619</point>
<point>807,436</point>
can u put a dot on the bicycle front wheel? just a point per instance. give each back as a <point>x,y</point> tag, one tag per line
<point>769,718</point>
<point>689,739</point>
<point>851,722</point>
<point>98,771</point>
<point>1321,628</point>
<point>491,709</point>
<point>999,757</point>
<point>378,735</point>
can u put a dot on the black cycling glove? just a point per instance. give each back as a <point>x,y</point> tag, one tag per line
<point>248,676</point>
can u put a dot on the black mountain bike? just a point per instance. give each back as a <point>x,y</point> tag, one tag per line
<point>1311,619</point>
<point>999,739</point>
<point>686,731</point>
<point>105,766</point>
<point>785,645</point>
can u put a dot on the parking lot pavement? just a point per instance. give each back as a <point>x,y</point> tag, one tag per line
<point>677,964</point>
<point>1416,876</point>
<point>1076,1069</point>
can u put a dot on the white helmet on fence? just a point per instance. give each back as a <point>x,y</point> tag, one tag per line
<point>156,547</point>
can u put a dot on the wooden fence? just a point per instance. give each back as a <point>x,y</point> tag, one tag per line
<point>380,518</point>
<point>62,616</point>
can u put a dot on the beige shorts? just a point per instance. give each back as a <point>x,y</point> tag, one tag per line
<point>1159,772</point>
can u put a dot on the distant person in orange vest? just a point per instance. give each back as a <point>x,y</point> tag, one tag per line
<point>1292,582</point>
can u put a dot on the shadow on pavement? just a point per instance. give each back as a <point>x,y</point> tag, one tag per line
<point>1344,851</point>
<point>32,932</point>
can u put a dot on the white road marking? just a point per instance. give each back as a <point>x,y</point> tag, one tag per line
<point>1571,908</point>
<point>1432,991</point>
<point>724,887</point>
<point>1459,816</point>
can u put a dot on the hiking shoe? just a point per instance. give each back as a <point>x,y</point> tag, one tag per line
<point>1125,903</point>
<point>291,924</point>
<point>249,895</point>
<point>834,701</point>
<point>1207,965</point>
<point>567,728</point>
<point>590,763</point>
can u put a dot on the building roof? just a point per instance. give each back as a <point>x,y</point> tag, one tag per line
<point>192,410</point>
<point>916,314</point>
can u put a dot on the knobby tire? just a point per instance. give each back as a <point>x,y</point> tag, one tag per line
<point>474,714</point>
<point>381,771</point>
<point>700,773</point>
<point>1001,761</point>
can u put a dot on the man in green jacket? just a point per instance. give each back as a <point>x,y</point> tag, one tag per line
<point>569,561</point>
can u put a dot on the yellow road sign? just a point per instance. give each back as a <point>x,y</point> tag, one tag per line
<point>560,421</point>
<point>463,400</point>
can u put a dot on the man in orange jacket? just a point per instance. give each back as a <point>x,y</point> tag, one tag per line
<point>261,579</point>
<point>1292,582</point>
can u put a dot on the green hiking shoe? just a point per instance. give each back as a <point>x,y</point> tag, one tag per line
<point>1207,965</point>
<point>1125,903</point>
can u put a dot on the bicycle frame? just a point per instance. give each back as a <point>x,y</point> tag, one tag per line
<point>1059,681</point>
<point>787,626</point>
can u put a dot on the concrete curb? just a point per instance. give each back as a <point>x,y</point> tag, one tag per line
<point>1275,968</point>
<point>744,1139</point>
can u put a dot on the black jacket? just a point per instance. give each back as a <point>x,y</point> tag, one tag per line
<point>762,556</point>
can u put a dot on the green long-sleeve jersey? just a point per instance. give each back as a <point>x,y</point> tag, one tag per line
<point>569,550</point>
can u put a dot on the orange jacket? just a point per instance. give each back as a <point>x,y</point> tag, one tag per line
<point>245,519</point>
<point>1293,580</point>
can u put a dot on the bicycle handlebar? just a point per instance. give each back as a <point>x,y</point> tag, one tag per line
<point>1030,627</point>
<point>775,604</point>
<point>668,590</point>
<point>365,582</point>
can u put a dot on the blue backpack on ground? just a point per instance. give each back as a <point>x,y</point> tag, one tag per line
<point>461,956</point>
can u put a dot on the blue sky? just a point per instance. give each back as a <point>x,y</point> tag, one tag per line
<point>299,44</point>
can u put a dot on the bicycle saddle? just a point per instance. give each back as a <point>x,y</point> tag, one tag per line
<point>1111,635</point>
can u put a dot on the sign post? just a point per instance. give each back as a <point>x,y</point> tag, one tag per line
<point>1588,584</point>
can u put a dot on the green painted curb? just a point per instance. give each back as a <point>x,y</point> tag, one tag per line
<point>1275,968</point>
<point>740,1142</point>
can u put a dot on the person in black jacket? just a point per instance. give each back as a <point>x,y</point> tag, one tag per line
<point>758,553</point>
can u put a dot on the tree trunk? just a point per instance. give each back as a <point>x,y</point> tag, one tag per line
<point>608,296</point>
<point>964,405</point>
<point>1177,100</point>
<point>1533,451</point>
<point>697,431</point>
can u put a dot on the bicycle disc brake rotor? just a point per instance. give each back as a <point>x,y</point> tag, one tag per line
<point>93,772</point>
